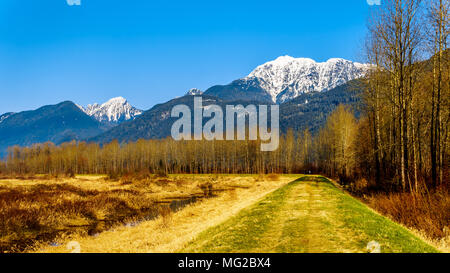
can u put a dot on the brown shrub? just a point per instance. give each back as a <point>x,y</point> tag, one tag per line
<point>273,177</point>
<point>113,175</point>
<point>207,189</point>
<point>429,213</point>
<point>259,178</point>
<point>360,185</point>
<point>141,175</point>
<point>161,173</point>
<point>70,173</point>
<point>166,214</point>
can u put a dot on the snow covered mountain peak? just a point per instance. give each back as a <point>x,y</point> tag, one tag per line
<point>115,111</point>
<point>194,92</point>
<point>5,116</point>
<point>287,77</point>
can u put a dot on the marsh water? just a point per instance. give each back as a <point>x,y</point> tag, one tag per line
<point>128,219</point>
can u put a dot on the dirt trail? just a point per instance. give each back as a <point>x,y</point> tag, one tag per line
<point>306,221</point>
<point>310,215</point>
<point>169,234</point>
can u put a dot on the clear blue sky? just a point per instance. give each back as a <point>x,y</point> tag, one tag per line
<point>151,51</point>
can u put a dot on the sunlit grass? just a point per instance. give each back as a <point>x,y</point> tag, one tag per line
<point>171,232</point>
<point>308,215</point>
<point>40,209</point>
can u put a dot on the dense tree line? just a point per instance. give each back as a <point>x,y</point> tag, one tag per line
<point>407,99</point>
<point>161,156</point>
<point>402,137</point>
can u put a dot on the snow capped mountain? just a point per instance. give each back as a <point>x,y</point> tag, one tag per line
<point>5,116</point>
<point>194,92</point>
<point>286,77</point>
<point>114,111</point>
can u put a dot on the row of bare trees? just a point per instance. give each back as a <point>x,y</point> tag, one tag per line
<point>161,156</point>
<point>406,97</point>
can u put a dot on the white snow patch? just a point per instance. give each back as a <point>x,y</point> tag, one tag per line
<point>286,77</point>
<point>115,110</point>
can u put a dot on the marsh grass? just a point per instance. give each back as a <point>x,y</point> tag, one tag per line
<point>44,210</point>
<point>156,236</point>
<point>40,208</point>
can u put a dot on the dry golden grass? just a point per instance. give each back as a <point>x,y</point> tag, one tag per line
<point>171,232</point>
<point>41,209</point>
<point>32,210</point>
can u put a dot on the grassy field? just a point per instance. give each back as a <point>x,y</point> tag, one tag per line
<point>309,215</point>
<point>246,213</point>
<point>42,210</point>
<point>172,230</point>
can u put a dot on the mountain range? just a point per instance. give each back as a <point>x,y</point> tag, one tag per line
<point>112,112</point>
<point>307,91</point>
<point>56,123</point>
<point>286,78</point>
<point>308,111</point>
